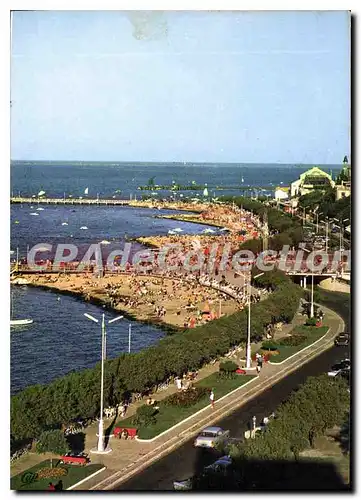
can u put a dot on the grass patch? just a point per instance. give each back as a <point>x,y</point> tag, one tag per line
<point>311,332</point>
<point>74,475</point>
<point>171,415</point>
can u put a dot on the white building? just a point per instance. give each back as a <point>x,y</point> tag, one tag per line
<point>309,181</point>
<point>281,193</point>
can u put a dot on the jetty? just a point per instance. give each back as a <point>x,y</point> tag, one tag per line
<point>69,201</point>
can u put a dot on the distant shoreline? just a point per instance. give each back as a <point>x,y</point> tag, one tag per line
<point>173,163</point>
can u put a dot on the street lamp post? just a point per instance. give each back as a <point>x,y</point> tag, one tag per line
<point>317,216</point>
<point>327,236</point>
<point>101,448</point>
<point>248,350</point>
<point>312,306</point>
<point>341,228</point>
<point>129,337</point>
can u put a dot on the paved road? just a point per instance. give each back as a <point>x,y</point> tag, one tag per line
<point>187,460</point>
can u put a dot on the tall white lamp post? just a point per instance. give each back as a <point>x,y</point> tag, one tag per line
<point>317,216</point>
<point>312,306</point>
<point>248,349</point>
<point>101,448</point>
<point>129,337</point>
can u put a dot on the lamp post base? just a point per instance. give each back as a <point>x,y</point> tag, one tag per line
<point>244,363</point>
<point>104,452</point>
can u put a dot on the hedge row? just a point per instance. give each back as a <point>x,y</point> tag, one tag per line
<point>320,404</point>
<point>77,395</point>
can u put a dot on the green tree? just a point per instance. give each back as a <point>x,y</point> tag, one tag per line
<point>53,442</point>
<point>145,415</point>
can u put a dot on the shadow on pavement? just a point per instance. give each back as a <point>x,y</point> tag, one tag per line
<point>276,476</point>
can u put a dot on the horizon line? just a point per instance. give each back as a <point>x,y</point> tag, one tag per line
<point>295,164</point>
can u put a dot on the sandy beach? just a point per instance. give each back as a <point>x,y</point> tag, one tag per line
<point>155,299</point>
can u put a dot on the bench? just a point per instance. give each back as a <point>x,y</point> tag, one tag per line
<point>128,431</point>
<point>74,460</point>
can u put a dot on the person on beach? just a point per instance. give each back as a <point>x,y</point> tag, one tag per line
<point>211,398</point>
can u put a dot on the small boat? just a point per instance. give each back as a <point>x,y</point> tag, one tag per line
<point>105,242</point>
<point>208,230</point>
<point>19,322</point>
<point>83,227</point>
<point>34,213</point>
<point>16,222</point>
<point>178,230</point>
<point>40,208</point>
<point>171,232</point>
<point>64,223</point>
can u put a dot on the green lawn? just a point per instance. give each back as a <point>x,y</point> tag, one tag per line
<point>171,415</point>
<point>313,333</point>
<point>74,475</point>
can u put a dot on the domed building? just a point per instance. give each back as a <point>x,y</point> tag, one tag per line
<point>311,180</point>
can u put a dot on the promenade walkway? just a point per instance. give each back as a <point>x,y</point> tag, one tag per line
<point>336,285</point>
<point>131,456</point>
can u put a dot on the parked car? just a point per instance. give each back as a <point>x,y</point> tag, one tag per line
<point>184,484</point>
<point>343,339</point>
<point>220,466</point>
<point>210,437</point>
<point>338,367</point>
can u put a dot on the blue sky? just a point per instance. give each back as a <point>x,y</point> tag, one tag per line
<point>181,86</point>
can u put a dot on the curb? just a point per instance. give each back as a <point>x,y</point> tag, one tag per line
<point>194,414</point>
<point>298,352</point>
<point>85,479</point>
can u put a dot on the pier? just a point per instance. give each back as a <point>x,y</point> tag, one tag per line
<point>69,201</point>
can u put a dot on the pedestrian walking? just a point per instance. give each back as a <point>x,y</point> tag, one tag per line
<point>258,368</point>
<point>178,383</point>
<point>211,398</point>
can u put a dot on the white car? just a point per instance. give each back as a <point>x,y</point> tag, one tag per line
<point>210,437</point>
<point>339,367</point>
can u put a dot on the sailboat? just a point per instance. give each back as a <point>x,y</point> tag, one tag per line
<point>86,191</point>
<point>18,322</point>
